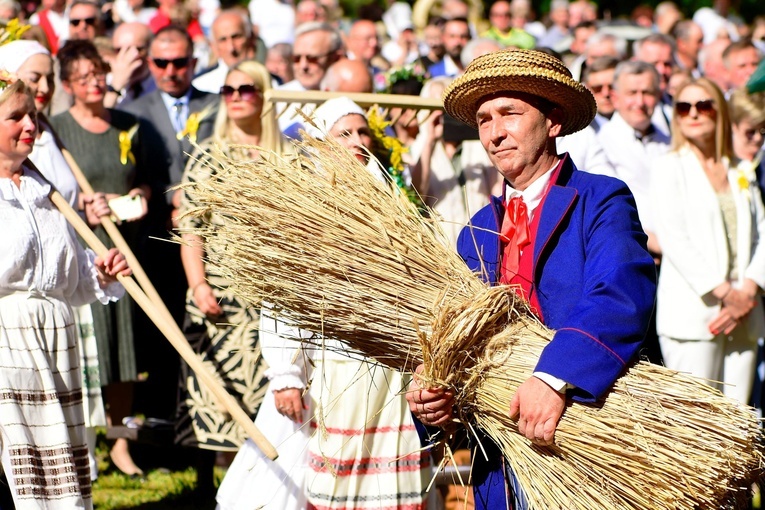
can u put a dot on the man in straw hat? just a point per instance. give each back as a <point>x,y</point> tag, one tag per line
<point>571,243</point>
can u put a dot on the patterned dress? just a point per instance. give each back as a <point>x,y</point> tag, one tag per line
<point>229,344</point>
<point>43,273</point>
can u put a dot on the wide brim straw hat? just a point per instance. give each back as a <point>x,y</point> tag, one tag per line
<point>526,71</point>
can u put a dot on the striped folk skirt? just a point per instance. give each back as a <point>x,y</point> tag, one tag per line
<point>44,454</point>
<point>365,451</point>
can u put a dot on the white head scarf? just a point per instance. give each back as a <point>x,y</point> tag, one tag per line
<point>327,115</point>
<point>15,53</point>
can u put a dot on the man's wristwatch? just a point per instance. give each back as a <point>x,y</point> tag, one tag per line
<point>109,88</point>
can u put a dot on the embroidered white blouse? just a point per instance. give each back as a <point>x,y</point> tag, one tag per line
<point>41,254</point>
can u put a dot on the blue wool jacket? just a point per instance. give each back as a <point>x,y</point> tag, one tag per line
<point>595,282</point>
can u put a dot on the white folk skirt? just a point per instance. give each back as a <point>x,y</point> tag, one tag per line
<point>44,453</point>
<point>365,451</point>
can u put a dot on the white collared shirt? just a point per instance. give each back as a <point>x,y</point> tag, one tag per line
<point>532,196</point>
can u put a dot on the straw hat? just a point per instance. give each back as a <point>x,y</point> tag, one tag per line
<point>528,71</point>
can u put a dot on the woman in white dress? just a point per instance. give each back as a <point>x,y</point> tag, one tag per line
<point>711,227</point>
<point>33,65</point>
<point>43,273</point>
<point>350,442</point>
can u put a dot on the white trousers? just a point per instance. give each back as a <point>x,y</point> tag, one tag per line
<point>727,362</point>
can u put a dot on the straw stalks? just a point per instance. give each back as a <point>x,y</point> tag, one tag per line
<point>339,253</point>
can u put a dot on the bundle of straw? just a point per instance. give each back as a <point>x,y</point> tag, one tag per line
<point>341,254</point>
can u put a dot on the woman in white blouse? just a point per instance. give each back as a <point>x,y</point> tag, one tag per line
<point>43,273</point>
<point>710,225</point>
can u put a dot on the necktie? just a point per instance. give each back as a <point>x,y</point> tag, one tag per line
<point>178,119</point>
<point>515,236</point>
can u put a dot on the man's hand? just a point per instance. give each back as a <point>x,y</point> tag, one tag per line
<point>124,65</point>
<point>432,406</point>
<point>538,408</point>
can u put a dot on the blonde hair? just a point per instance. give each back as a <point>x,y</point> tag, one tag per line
<point>270,135</point>
<point>745,106</point>
<point>17,87</point>
<point>723,137</point>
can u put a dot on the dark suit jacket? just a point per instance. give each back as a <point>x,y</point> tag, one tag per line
<point>168,154</point>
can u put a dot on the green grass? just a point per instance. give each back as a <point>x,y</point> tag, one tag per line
<point>158,489</point>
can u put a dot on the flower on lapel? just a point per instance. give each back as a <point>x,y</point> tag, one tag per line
<point>747,175</point>
<point>126,145</point>
<point>193,122</point>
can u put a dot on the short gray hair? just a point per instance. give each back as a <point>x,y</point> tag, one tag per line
<point>632,67</point>
<point>335,41</point>
<point>619,43</point>
<point>468,53</point>
<point>654,39</point>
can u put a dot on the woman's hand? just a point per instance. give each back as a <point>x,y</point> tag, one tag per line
<point>95,206</point>
<point>432,406</point>
<point>110,266</point>
<point>738,303</point>
<point>289,403</point>
<point>206,300</point>
<point>724,323</point>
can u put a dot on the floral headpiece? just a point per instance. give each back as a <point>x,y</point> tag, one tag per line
<point>391,150</point>
<point>406,73</point>
<point>6,79</point>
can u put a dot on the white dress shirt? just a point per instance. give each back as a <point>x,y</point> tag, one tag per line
<point>632,156</point>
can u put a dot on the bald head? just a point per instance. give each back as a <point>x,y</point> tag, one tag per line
<point>362,41</point>
<point>347,76</point>
<point>232,38</point>
<point>711,62</point>
<point>131,34</point>
<point>132,41</point>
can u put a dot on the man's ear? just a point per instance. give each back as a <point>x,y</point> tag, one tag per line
<point>555,122</point>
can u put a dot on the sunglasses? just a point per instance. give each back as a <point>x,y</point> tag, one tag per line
<point>246,92</point>
<point>178,63</point>
<point>750,133</point>
<point>705,107</point>
<point>88,21</point>
<point>311,59</point>
<point>597,89</point>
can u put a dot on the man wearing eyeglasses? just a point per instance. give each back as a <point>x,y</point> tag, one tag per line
<point>232,41</point>
<point>130,76</point>
<point>599,78</point>
<point>630,139</point>
<point>317,46</point>
<point>170,115</point>
<point>85,20</point>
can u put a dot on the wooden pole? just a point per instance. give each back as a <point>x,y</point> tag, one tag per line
<point>361,99</point>
<point>116,236</point>
<point>170,329</point>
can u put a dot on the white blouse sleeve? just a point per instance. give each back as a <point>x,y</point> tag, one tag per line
<point>281,346</point>
<point>88,288</point>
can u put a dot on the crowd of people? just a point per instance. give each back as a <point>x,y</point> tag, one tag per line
<point>141,99</point>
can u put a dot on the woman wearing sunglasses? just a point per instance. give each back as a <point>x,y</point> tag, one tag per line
<point>747,112</point>
<point>711,226</point>
<point>220,327</point>
<point>106,145</point>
